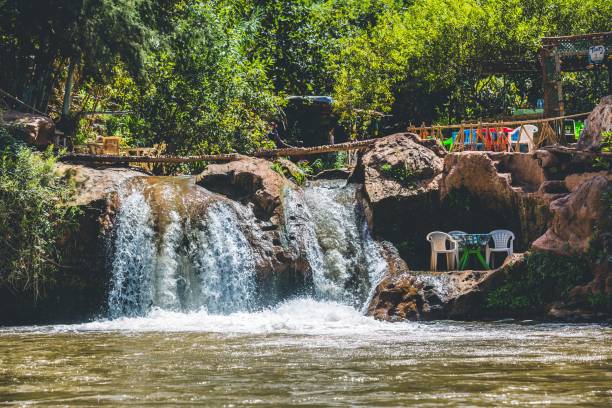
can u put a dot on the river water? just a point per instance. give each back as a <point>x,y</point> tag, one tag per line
<point>304,352</point>
<point>184,326</point>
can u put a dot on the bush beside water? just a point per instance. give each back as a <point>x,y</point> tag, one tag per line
<point>35,216</point>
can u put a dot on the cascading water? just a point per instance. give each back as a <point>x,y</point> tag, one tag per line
<point>178,247</point>
<point>223,260</point>
<point>345,261</point>
<point>133,259</point>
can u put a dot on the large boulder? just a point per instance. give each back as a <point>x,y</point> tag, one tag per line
<point>96,183</point>
<point>248,179</point>
<point>34,129</point>
<point>397,298</point>
<point>398,167</point>
<point>599,121</point>
<point>436,295</point>
<point>476,172</point>
<point>575,218</point>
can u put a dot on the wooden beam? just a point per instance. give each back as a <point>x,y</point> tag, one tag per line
<point>297,151</point>
<point>305,151</point>
<point>109,158</point>
<point>590,36</point>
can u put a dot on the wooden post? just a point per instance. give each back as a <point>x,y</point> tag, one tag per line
<point>551,81</point>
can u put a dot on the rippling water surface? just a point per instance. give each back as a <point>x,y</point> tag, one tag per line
<point>304,353</point>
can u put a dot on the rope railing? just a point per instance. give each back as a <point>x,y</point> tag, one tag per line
<point>547,134</point>
<point>495,136</point>
<point>497,124</point>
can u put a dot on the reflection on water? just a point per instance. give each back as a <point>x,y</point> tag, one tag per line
<point>304,352</point>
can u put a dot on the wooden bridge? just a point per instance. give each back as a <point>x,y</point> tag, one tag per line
<point>551,132</point>
<point>272,153</point>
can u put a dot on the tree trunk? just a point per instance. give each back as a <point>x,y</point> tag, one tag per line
<point>68,88</point>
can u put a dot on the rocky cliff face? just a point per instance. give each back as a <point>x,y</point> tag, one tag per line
<point>414,189</point>
<point>407,188</point>
<point>81,286</point>
<point>558,201</point>
<point>598,121</point>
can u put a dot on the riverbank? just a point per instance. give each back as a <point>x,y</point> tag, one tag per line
<point>304,352</point>
<point>401,188</point>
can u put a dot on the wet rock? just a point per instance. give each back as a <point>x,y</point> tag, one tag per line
<point>436,295</point>
<point>96,183</point>
<point>34,129</point>
<point>282,268</point>
<point>397,298</point>
<point>573,181</point>
<point>598,121</point>
<point>248,180</point>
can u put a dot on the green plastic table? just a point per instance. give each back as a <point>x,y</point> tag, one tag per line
<point>472,245</point>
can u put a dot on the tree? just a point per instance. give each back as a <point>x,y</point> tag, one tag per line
<point>44,40</point>
<point>203,92</point>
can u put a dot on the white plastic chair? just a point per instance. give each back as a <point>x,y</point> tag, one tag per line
<point>502,241</point>
<point>455,233</point>
<point>523,136</point>
<point>438,241</point>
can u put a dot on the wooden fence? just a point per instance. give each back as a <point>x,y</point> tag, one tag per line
<point>550,131</point>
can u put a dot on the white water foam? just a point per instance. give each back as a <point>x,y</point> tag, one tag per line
<point>134,256</point>
<point>346,262</point>
<point>169,258</point>
<point>297,316</point>
<point>328,324</point>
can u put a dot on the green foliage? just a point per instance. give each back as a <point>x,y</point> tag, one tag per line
<point>9,139</point>
<point>318,165</point>
<point>604,163</point>
<point>544,277</point>
<point>299,175</point>
<point>426,60</point>
<point>600,301</point>
<point>305,166</point>
<point>34,217</point>
<point>341,160</point>
<point>204,94</point>
<point>399,173</point>
<point>40,38</point>
<point>278,167</point>
<point>209,76</point>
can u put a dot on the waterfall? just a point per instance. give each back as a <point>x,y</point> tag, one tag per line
<point>223,259</point>
<point>178,247</point>
<point>346,262</point>
<point>132,263</point>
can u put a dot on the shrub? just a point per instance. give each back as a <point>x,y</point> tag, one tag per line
<point>399,173</point>
<point>543,278</point>
<point>298,176</point>
<point>34,217</point>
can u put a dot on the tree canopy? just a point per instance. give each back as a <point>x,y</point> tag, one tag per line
<point>211,75</point>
